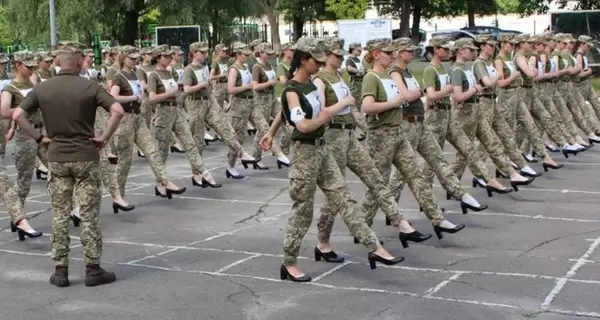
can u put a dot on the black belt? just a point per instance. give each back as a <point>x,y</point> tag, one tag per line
<point>472,100</point>
<point>313,142</point>
<point>168,104</point>
<point>489,96</point>
<point>341,126</point>
<point>527,86</point>
<point>244,97</point>
<point>415,118</point>
<point>356,78</point>
<point>222,81</point>
<point>202,98</point>
<point>131,107</point>
<point>441,106</point>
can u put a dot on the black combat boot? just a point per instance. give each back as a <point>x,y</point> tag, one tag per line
<point>95,276</point>
<point>60,278</point>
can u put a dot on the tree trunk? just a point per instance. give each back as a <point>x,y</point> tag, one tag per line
<point>274,26</point>
<point>297,26</point>
<point>470,14</point>
<point>131,27</point>
<point>416,25</point>
<point>405,18</point>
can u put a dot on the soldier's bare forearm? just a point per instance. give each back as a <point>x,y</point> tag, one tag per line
<point>26,126</point>
<point>275,125</point>
<point>116,114</point>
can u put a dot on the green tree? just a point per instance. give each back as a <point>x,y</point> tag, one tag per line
<point>347,9</point>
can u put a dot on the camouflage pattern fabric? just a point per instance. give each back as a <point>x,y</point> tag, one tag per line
<point>83,180</point>
<point>26,152</point>
<point>589,94</point>
<point>424,142</point>
<point>561,106</point>
<point>506,135</point>
<point>526,125</point>
<point>543,91</point>
<point>220,92</point>
<point>349,153</point>
<point>240,111</point>
<point>106,168</point>
<point>209,112</point>
<point>539,112</point>
<point>586,109</point>
<point>264,104</point>
<point>437,121</point>
<point>285,141</point>
<point>9,194</point>
<point>133,129</point>
<point>388,146</point>
<point>146,111</point>
<point>171,119</point>
<point>564,88</point>
<point>314,166</point>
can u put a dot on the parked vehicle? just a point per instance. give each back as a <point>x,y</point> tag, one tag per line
<point>489,30</point>
<point>452,34</point>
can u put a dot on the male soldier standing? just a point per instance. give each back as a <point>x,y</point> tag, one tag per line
<point>73,157</point>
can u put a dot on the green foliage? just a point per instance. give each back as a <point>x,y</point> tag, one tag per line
<point>347,9</point>
<point>6,35</point>
<point>507,6</point>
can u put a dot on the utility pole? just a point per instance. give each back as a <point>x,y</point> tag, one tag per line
<point>53,40</point>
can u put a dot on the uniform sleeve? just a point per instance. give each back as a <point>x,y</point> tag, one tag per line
<point>104,99</point>
<point>479,70</point>
<point>429,78</point>
<point>215,66</point>
<point>152,80</point>
<point>188,77</point>
<point>174,74</point>
<point>281,70</point>
<point>31,102</point>
<point>456,78</point>
<point>256,73</point>
<point>369,86</point>
<point>350,62</point>
<point>141,74</point>
<point>111,74</point>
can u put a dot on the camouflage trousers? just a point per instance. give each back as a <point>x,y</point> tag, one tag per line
<point>437,120</point>
<point>545,92</point>
<point>146,113</point>
<point>589,94</point>
<point>525,125</point>
<point>359,118</point>
<point>220,93</point>
<point>542,116</point>
<point>242,111</point>
<point>208,111</point>
<point>264,105</point>
<point>425,143</point>
<point>285,140</point>
<point>503,130</point>
<point>349,153</point>
<point>25,154</point>
<point>390,146</point>
<point>574,102</point>
<point>172,119</point>
<point>133,130</point>
<point>9,194</point>
<point>313,165</point>
<point>101,121</point>
<point>461,135</point>
<point>561,106</point>
<point>481,129</point>
<point>83,180</point>
<point>107,170</point>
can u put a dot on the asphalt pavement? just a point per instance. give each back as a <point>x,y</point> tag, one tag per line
<point>215,254</point>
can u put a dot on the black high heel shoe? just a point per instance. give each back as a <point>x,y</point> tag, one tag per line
<point>465,207</point>
<point>515,184</point>
<point>76,221</point>
<point>230,175</point>
<point>117,207</point>
<point>414,236</point>
<point>257,166</point>
<point>140,154</point>
<point>284,274</point>
<point>251,132</point>
<point>500,174</point>
<point>174,149</point>
<point>567,152</point>
<point>476,183</point>
<point>206,142</point>
<point>439,231</point>
<point>528,159</point>
<point>547,166</point>
<point>527,174</point>
<point>281,164</point>
<point>41,175</point>
<point>330,256</point>
<point>22,233</point>
<point>205,183</point>
<point>246,163</point>
<point>551,149</point>
<point>491,190</point>
<point>113,160</point>
<point>388,222</point>
<point>449,197</point>
<point>362,137</point>
<point>374,258</point>
<point>168,192</point>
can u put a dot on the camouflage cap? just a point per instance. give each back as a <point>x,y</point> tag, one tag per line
<point>25,57</point>
<point>564,37</point>
<point>288,46</point>
<point>381,44</point>
<point>221,47</point>
<point>114,50</point>
<point>404,44</point>
<point>44,56</point>
<point>162,50</point>
<point>3,58</point>
<point>147,50</point>
<point>252,45</point>
<point>69,47</point>
<point>464,43</point>
<point>130,51</point>
<point>440,42</point>
<point>88,52</point>
<point>316,48</point>
<point>355,45</point>
<point>266,48</point>
<point>199,46</point>
<point>521,38</point>
<point>587,40</point>
<point>485,38</point>
<point>104,50</point>
<point>176,50</point>
<point>240,47</point>
<point>547,36</point>
<point>506,38</point>
<point>537,39</point>
<point>335,45</point>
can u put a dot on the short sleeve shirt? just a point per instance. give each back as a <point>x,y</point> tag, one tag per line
<point>156,85</point>
<point>18,91</point>
<point>259,74</point>
<point>372,86</point>
<point>431,79</point>
<point>193,75</point>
